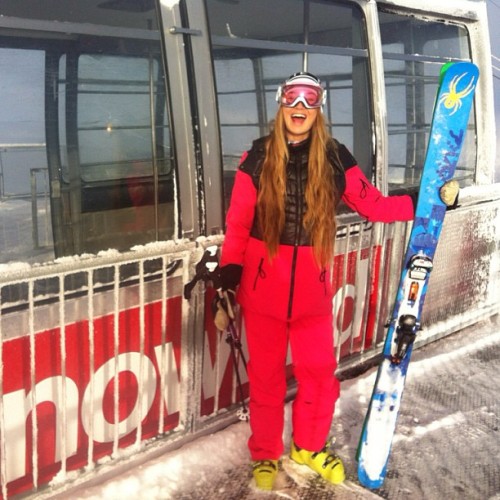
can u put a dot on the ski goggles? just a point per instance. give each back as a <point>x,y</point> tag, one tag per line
<point>311,96</point>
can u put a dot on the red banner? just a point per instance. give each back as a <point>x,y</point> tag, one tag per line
<point>87,393</point>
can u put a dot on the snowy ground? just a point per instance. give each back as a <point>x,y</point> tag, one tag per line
<point>447,442</point>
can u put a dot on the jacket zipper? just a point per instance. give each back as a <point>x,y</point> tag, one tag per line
<point>298,230</point>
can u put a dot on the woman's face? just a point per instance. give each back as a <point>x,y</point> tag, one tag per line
<point>298,121</point>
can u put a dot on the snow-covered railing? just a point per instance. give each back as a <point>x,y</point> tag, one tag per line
<point>92,349</point>
<point>102,355</point>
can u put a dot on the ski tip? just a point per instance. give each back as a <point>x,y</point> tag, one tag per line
<point>446,66</point>
<point>444,69</point>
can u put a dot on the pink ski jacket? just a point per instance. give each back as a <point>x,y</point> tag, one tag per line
<point>292,285</point>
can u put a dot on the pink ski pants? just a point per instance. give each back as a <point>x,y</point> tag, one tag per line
<point>314,364</point>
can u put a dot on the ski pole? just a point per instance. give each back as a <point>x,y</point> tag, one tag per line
<point>208,270</point>
<point>233,340</point>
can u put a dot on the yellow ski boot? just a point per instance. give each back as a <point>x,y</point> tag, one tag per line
<point>324,462</point>
<point>264,473</point>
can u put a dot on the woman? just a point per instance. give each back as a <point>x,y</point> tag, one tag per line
<point>278,248</point>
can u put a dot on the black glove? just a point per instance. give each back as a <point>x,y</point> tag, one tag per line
<point>230,276</point>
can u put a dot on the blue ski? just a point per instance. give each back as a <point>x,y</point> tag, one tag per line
<point>449,124</point>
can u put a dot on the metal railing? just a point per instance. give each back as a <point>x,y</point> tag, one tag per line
<point>110,342</point>
<point>102,356</point>
<point>22,183</point>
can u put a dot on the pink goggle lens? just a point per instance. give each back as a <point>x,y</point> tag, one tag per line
<point>309,96</point>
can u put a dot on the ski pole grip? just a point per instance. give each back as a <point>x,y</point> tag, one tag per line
<point>188,288</point>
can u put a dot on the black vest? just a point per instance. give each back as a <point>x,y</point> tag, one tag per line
<point>296,181</point>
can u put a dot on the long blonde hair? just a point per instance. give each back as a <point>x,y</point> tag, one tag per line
<point>320,194</point>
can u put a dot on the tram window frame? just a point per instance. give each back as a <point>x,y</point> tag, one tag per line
<point>126,202</point>
<point>271,57</point>
<point>75,221</point>
<point>413,52</point>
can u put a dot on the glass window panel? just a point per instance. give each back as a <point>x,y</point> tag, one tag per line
<point>258,19</point>
<point>248,74</point>
<point>114,123</point>
<point>347,30</point>
<point>88,121</point>
<point>114,119</point>
<point>414,51</point>
<point>138,14</point>
<point>23,158</point>
<point>493,22</point>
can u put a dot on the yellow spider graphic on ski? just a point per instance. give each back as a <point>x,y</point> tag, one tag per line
<point>453,99</point>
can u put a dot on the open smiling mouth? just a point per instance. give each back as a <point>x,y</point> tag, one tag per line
<point>298,117</point>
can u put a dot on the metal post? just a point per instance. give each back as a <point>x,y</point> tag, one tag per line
<point>34,208</point>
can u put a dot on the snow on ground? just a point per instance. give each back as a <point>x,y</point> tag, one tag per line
<point>166,477</point>
<point>447,441</point>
